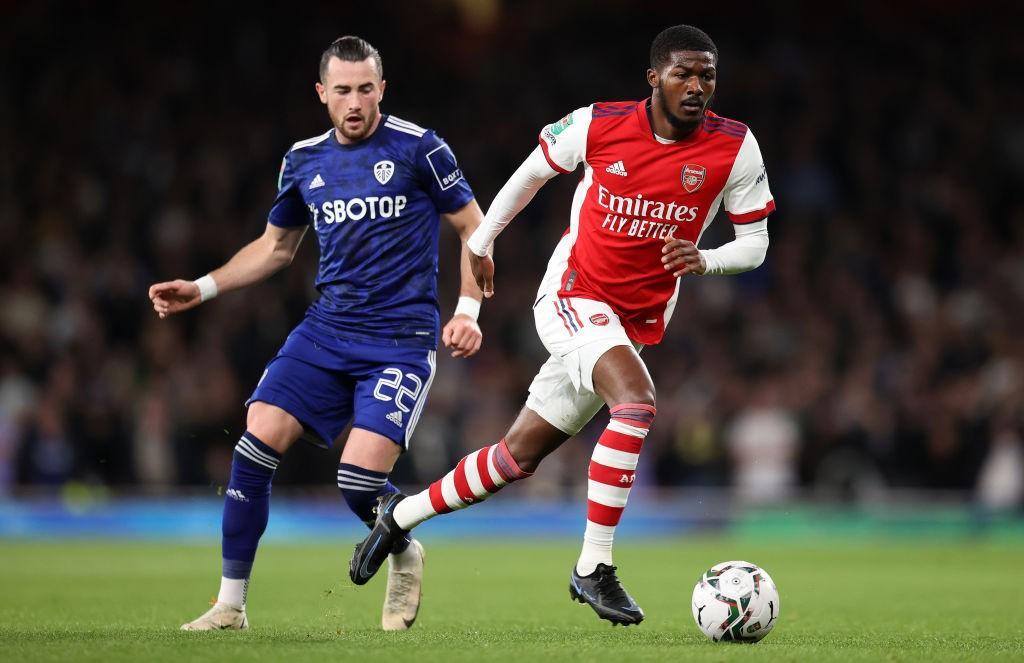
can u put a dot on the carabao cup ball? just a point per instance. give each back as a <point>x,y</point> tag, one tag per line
<point>735,601</point>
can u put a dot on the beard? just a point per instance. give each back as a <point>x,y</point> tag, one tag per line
<point>360,132</point>
<point>676,121</point>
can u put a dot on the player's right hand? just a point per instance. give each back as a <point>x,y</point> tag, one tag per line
<point>174,297</point>
<point>483,272</point>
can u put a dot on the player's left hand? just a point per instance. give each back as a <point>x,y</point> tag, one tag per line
<point>463,335</point>
<point>682,257</point>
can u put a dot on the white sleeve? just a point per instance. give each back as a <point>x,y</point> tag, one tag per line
<point>513,197</point>
<point>563,146</point>
<point>747,197</point>
<point>743,254</point>
<point>565,142</point>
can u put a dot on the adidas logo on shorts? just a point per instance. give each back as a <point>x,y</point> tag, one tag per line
<point>395,418</point>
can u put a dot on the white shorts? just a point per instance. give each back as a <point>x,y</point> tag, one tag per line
<point>577,332</point>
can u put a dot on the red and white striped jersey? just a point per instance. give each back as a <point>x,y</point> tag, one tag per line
<point>635,192</point>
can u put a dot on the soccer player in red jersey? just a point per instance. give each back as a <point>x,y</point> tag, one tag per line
<point>655,173</point>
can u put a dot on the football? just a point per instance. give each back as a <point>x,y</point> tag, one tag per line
<point>735,601</point>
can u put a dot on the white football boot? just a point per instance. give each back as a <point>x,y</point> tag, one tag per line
<point>220,617</point>
<point>405,588</point>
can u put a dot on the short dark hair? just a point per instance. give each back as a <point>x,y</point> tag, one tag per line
<point>679,38</point>
<point>350,49</point>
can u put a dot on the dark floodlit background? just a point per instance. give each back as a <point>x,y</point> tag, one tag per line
<point>875,360</point>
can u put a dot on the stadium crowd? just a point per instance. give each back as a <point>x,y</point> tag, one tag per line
<point>879,346</point>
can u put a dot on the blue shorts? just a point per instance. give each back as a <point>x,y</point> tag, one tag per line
<point>324,381</point>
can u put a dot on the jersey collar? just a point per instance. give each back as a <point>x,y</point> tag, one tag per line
<point>642,110</point>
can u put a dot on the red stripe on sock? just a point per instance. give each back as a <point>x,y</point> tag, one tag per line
<point>462,484</point>
<point>603,515</point>
<point>610,475</point>
<point>621,441</point>
<point>481,469</point>
<point>437,499</point>
<point>632,422</point>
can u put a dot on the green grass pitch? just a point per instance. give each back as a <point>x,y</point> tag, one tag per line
<point>841,601</point>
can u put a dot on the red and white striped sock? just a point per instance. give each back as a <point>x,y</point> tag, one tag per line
<point>611,475</point>
<point>477,476</point>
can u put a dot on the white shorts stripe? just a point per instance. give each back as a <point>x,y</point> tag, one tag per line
<point>256,459</point>
<point>473,475</point>
<point>626,429</point>
<point>607,495</point>
<point>448,492</point>
<point>417,409</point>
<point>614,458</point>
<point>491,469</point>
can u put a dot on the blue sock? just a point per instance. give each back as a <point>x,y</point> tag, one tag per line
<point>247,504</point>
<point>361,488</point>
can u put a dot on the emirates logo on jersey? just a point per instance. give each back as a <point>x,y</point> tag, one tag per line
<point>693,177</point>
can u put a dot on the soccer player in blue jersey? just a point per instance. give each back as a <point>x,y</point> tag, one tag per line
<point>372,188</point>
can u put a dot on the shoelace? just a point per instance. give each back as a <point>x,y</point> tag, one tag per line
<point>399,598</point>
<point>609,586</point>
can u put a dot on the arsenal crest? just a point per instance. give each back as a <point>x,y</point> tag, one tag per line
<point>383,170</point>
<point>599,319</point>
<point>693,177</point>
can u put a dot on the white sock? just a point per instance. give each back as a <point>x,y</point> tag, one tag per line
<point>413,510</point>
<point>233,591</point>
<point>597,548</point>
<point>405,559</point>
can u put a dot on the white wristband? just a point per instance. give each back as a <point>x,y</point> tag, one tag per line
<point>207,287</point>
<point>468,306</point>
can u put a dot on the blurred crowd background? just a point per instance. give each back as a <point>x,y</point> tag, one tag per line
<point>879,348</point>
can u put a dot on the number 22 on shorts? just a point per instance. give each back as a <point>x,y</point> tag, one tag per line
<point>392,381</point>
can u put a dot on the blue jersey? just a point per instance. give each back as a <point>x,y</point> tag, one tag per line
<point>375,207</point>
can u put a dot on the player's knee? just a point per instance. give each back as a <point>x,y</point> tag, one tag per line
<point>645,396</point>
<point>274,426</point>
<point>640,393</point>
<point>635,387</point>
